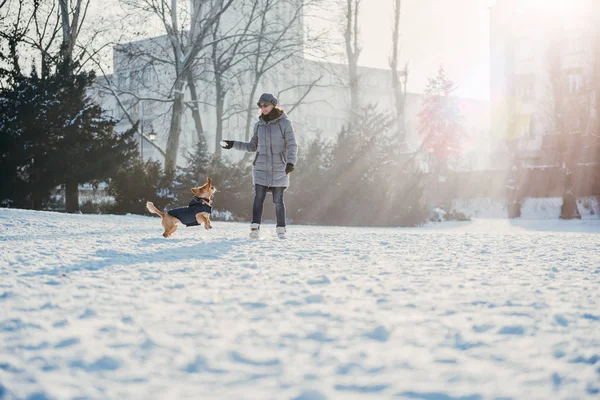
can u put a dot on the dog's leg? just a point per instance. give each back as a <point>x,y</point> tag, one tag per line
<point>167,227</point>
<point>170,225</point>
<point>204,218</point>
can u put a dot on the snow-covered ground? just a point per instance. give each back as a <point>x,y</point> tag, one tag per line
<point>103,307</point>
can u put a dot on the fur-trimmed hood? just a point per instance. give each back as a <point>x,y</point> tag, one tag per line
<point>275,114</point>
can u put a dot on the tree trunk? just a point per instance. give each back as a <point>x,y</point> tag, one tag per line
<point>37,200</point>
<point>569,208</point>
<point>14,54</point>
<point>195,106</point>
<point>444,200</point>
<point>352,52</point>
<point>175,128</point>
<point>251,109</point>
<point>249,115</point>
<point>353,89</point>
<point>513,189</point>
<point>219,111</point>
<point>72,197</point>
<point>397,88</point>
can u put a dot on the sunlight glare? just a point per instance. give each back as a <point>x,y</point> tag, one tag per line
<point>554,8</point>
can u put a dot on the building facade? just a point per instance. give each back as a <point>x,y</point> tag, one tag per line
<point>543,80</point>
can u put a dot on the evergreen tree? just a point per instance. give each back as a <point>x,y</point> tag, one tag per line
<point>235,190</point>
<point>88,149</point>
<point>52,134</point>
<point>358,162</point>
<point>26,142</point>
<point>138,183</point>
<point>302,200</point>
<point>440,121</point>
<point>194,173</point>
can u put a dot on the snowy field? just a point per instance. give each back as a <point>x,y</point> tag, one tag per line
<point>102,307</point>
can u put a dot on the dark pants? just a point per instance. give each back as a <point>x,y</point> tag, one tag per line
<point>259,201</point>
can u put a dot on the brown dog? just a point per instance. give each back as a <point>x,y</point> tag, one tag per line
<point>196,213</point>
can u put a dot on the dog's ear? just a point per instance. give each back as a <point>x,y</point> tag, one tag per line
<point>194,190</point>
<point>209,181</point>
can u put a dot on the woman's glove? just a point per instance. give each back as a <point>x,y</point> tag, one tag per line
<point>226,144</point>
<point>289,168</point>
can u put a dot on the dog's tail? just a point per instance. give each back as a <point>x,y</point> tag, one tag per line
<point>152,208</point>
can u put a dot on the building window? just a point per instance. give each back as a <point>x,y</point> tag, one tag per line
<point>524,87</point>
<point>531,128</point>
<point>575,42</point>
<point>574,121</point>
<point>148,76</point>
<point>134,78</point>
<point>525,126</point>
<point>146,108</point>
<point>575,81</point>
<point>524,50</point>
<point>122,81</point>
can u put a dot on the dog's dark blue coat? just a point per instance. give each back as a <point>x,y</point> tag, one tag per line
<point>187,215</point>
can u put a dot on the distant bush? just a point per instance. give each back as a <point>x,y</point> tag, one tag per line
<point>138,183</point>
<point>440,215</point>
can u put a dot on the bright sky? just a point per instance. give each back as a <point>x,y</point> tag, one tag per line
<point>452,33</point>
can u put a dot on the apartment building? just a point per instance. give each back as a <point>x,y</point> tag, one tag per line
<point>543,84</point>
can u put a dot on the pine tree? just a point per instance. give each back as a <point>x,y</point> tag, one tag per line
<point>440,121</point>
<point>88,147</point>
<point>358,164</point>
<point>53,134</point>
<point>138,183</point>
<point>26,140</point>
<point>194,173</point>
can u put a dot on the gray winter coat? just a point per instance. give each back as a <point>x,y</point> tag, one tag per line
<point>275,146</point>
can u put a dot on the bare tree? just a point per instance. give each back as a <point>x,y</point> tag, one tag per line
<point>276,53</point>
<point>228,54</point>
<point>228,57</point>
<point>351,38</point>
<point>15,26</point>
<point>570,106</point>
<point>118,34</point>
<point>46,33</point>
<point>72,13</point>
<point>186,33</point>
<point>47,28</point>
<point>107,84</point>
<point>194,104</point>
<point>398,85</point>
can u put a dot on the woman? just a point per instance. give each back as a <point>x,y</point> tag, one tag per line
<point>275,145</point>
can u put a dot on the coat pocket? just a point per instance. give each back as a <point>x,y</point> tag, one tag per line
<point>255,158</point>
<point>283,158</point>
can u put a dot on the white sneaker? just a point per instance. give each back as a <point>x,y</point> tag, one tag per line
<point>281,232</point>
<point>254,231</point>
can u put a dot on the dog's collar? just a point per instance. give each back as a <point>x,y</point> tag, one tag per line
<point>204,199</point>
